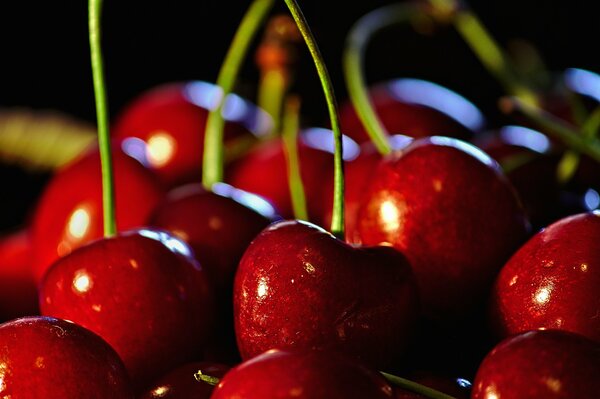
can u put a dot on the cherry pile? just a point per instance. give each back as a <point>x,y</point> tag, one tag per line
<point>466,264</point>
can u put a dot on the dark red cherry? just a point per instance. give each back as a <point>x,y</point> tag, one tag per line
<point>278,374</point>
<point>181,383</point>
<point>416,108</point>
<point>69,213</point>
<point>164,127</point>
<point>18,288</point>
<point>263,171</point>
<point>552,281</point>
<point>540,364</point>
<point>446,206</point>
<point>298,287</point>
<point>141,292</point>
<point>219,226</point>
<point>44,357</point>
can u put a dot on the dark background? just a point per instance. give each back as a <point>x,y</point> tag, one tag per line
<point>44,55</point>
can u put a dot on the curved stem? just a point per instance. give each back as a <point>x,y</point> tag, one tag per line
<point>337,220</point>
<point>290,136</point>
<point>553,126</point>
<point>415,387</point>
<point>487,50</point>
<point>359,36</point>
<point>108,194</point>
<point>212,165</point>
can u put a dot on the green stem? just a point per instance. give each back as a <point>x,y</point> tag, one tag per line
<point>290,137</point>
<point>212,166</point>
<point>415,387</point>
<point>337,220</point>
<point>209,379</point>
<point>108,193</point>
<point>487,50</point>
<point>359,36</point>
<point>271,92</point>
<point>553,126</point>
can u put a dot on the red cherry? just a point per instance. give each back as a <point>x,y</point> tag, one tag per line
<point>43,357</point>
<point>298,287</point>
<point>278,374</point>
<point>18,288</point>
<point>141,292</point>
<point>164,127</point>
<point>540,364</point>
<point>181,384</point>
<point>552,281</point>
<point>415,108</point>
<point>263,171</point>
<point>69,213</point>
<point>447,207</point>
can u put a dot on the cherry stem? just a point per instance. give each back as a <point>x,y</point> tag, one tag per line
<point>212,166</point>
<point>209,379</point>
<point>271,91</point>
<point>108,191</point>
<point>554,126</point>
<point>290,139</point>
<point>570,160</point>
<point>415,387</point>
<point>337,220</point>
<point>487,50</point>
<point>359,36</point>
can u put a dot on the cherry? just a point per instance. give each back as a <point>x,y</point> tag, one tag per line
<point>299,287</point>
<point>311,374</point>
<point>552,281</point>
<point>263,171</point>
<point>44,357</point>
<point>164,127</point>
<point>447,207</point>
<point>69,213</point>
<point>218,225</point>
<point>415,108</point>
<point>18,288</point>
<point>540,364</point>
<point>140,291</point>
<point>181,384</point>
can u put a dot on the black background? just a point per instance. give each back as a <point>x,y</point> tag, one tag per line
<point>44,55</point>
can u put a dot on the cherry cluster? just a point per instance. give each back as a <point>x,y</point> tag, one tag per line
<point>460,261</point>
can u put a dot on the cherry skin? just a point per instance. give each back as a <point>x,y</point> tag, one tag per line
<point>545,364</point>
<point>415,108</point>
<point>298,287</point>
<point>69,213</point>
<point>18,288</point>
<point>218,225</point>
<point>142,292</point>
<point>279,374</point>
<point>552,281</point>
<point>446,206</point>
<point>44,357</point>
<point>181,384</point>
<point>164,127</point>
<point>263,171</point>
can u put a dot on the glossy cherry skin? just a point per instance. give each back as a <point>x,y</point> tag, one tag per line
<point>415,108</point>
<point>181,383</point>
<point>218,225</point>
<point>279,374</point>
<point>164,127</point>
<point>141,292</point>
<point>552,281</point>
<point>44,357</point>
<point>545,364</point>
<point>298,287</point>
<point>263,171</point>
<point>18,288</point>
<point>69,213</point>
<point>447,207</point>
